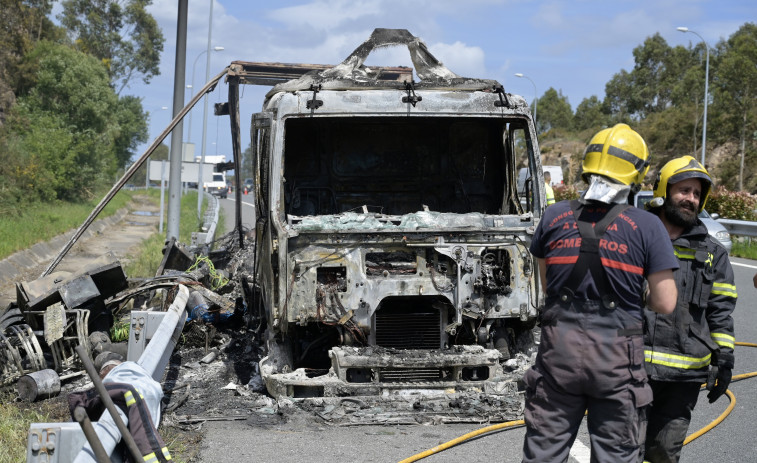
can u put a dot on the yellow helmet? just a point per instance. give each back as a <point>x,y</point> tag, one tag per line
<point>680,169</point>
<point>618,153</point>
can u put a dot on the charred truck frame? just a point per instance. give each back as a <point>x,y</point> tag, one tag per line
<point>390,247</point>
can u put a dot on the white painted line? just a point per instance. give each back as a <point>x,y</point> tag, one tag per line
<point>579,452</point>
<point>744,265</point>
<point>243,202</point>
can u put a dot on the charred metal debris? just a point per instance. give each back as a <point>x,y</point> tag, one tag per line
<point>387,277</point>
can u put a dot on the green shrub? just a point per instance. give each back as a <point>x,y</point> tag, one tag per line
<point>565,192</point>
<point>735,205</point>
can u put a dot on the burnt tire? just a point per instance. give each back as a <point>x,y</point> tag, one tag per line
<point>12,316</point>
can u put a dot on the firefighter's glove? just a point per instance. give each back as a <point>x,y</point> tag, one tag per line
<point>717,382</point>
<point>720,374</point>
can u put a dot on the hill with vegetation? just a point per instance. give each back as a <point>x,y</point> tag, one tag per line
<point>662,98</point>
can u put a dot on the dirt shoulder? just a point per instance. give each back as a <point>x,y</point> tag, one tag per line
<point>120,234</point>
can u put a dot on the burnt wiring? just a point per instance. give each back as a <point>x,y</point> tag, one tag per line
<point>432,271</point>
<point>289,293</point>
<point>349,323</point>
<point>151,284</point>
<point>255,306</point>
<point>310,264</point>
<point>314,343</point>
<point>217,280</point>
<point>328,258</point>
<point>480,317</point>
<point>229,241</point>
<point>333,297</point>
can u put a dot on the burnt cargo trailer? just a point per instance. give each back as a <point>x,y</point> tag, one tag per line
<point>391,246</point>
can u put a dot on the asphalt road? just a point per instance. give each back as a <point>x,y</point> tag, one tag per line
<point>229,208</point>
<point>733,440</point>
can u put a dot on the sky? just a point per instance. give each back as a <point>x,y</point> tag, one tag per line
<point>573,46</point>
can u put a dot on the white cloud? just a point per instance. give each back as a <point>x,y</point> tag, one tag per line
<point>461,59</point>
<point>325,14</point>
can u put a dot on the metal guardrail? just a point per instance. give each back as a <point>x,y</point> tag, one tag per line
<point>739,227</point>
<point>206,237</point>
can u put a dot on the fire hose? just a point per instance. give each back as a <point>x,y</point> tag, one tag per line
<point>519,423</point>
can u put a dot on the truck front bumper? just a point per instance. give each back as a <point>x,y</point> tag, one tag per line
<point>375,371</point>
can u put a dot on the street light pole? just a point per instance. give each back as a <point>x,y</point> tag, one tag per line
<point>706,89</point>
<point>191,89</point>
<point>518,74</point>
<point>204,116</point>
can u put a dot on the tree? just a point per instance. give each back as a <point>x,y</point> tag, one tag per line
<point>657,68</point>
<point>618,96</point>
<point>161,153</point>
<point>590,114</point>
<point>132,123</point>
<point>24,23</point>
<point>246,168</point>
<point>120,33</point>
<point>735,83</point>
<point>67,125</point>
<point>554,112</point>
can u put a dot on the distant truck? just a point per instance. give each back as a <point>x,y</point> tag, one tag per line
<point>212,159</point>
<point>217,186</point>
<point>391,245</point>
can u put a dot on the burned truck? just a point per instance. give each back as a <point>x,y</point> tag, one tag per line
<point>390,245</point>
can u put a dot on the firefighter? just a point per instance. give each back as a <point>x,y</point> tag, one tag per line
<point>549,193</point>
<point>594,254</point>
<point>694,344</point>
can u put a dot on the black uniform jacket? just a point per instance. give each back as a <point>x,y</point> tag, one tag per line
<point>681,346</point>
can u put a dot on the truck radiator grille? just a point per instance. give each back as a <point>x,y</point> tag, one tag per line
<point>396,375</point>
<point>399,329</point>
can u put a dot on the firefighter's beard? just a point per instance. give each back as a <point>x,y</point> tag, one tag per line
<point>683,214</point>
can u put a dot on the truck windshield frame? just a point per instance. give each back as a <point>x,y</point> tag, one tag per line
<point>400,165</point>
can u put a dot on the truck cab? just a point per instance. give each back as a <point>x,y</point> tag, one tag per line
<point>391,246</point>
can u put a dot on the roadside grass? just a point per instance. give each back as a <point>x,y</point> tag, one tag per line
<point>183,445</point>
<point>15,417</point>
<point>43,221</point>
<point>145,262</point>
<point>744,247</point>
